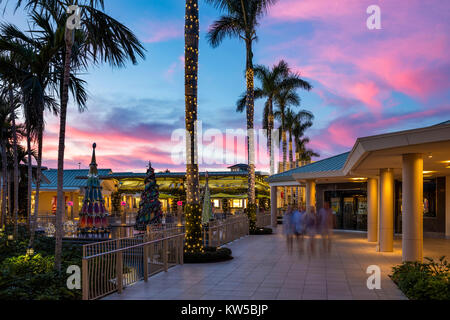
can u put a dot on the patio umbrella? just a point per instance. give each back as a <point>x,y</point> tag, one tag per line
<point>207,208</point>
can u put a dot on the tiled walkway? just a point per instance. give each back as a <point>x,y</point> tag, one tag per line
<point>262,269</point>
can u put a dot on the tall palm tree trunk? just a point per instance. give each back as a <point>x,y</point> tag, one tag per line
<point>38,178</point>
<point>270,126</point>
<point>30,177</point>
<point>291,165</point>
<point>4,181</point>
<point>193,211</point>
<point>250,126</point>
<point>60,201</point>
<point>15,165</point>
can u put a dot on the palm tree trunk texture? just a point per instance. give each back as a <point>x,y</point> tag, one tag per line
<point>60,202</point>
<point>38,179</point>
<point>291,165</point>
<point>269,138</point>
<point>250,128</point>
<point>191,76</point>
<point>30,178</point>
<point>15,166</point>
<point>193,215</point>
<point>284,141</point>
<point>4,181</point>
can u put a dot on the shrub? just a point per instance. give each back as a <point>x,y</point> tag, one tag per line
<point>33,278</point>
<point>261,231</point>
<point>209,256</point>
<point>424,281</point>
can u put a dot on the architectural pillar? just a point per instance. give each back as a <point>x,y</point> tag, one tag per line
<point>273,206</point>
<point>447,207</point>
<point>412,204</point>
<point>372,210</point>
<point>310,194</point>
<point>386,211</point>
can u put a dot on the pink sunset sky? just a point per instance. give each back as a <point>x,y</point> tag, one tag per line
<point>365,81</point>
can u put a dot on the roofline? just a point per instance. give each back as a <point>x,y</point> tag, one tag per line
<point>286,173</point>
<point>354,158</point>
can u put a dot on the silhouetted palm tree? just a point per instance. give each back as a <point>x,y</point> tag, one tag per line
<point>241,20</point>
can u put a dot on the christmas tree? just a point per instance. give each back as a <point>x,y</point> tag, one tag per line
<point>93,216</point>
<point>150,211</point>
<point>207,208</point>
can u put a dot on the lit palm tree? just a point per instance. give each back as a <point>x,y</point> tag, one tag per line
<point>193,211</point>
<point>241,20</point>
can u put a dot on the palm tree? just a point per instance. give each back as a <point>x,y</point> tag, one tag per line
<point>272,82</point>
<point>296,124</point>
<point>5,125</point>
<point>100,39</point>
<point>241,20</point>
<point>8,95</point>
<point>193,211</point>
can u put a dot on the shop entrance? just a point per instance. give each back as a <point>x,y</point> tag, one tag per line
<point>349,208</point>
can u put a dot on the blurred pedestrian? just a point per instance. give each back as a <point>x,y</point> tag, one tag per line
<point>288,228</point>
<point>326,224</point>
<point>310,222</point>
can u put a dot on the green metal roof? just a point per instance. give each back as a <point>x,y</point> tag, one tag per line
<point>330,164</point>
<point>70,178</point>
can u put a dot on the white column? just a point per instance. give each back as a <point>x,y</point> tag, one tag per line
<point>412,204</point>
<point>372,210</point>
<point>310,194</point>
<point>447,207</point>
<point>386,213</point>
<point>273,206</point>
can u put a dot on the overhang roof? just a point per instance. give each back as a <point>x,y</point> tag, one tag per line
<point>370,154</point>
<point>71,181</point>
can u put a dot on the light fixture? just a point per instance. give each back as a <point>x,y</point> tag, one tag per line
<point>30,251</point>
<point>430,155</point>
<point>10,237</point>
<point>428,172</point>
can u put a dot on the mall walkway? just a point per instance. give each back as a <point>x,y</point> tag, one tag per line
<point>262,269</point>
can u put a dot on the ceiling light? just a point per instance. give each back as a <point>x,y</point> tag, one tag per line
<point>428,172</point>
<point>430,156</point>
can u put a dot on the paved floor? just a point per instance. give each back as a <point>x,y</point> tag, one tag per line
<point>262,269</point>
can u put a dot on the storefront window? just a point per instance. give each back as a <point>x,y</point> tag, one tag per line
<point>237,203</point>
<point>216,203</point>
<point>429,197</point>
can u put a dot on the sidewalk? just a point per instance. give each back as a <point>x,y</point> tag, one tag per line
<point>262,269</point>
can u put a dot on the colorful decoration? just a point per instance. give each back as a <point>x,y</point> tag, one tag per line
<point>207,208</point>
<point>150,209</point>
<point>93,216</point>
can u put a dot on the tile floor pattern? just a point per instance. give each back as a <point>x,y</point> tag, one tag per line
<point>262,269</point>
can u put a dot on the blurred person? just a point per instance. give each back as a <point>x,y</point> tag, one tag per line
<point>310,223</point>
<point>326,224</point>
<point>288,228</point>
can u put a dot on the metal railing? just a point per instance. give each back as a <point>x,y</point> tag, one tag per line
<point>263,220</point>
<point>110,266</point>
<point>218,233</point>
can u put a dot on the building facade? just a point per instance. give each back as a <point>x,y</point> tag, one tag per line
<point>394,183</point>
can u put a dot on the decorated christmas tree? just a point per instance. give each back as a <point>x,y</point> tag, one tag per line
<point>150,211</point>
<point>207,207</point>
<point>93,215</point>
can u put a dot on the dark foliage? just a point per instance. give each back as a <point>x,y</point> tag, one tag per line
<point>210,255</point>
<point>424,281</point>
